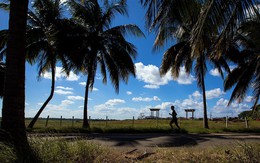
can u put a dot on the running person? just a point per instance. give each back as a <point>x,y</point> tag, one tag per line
<point>174,118</point>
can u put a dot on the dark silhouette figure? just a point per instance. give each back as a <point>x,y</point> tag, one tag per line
<point>174,118</point>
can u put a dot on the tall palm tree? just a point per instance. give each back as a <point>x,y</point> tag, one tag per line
<point>103,45</point>
<point>246,53</point>
<point>2,78</point>
<point>47,40</point>
<point>13,119</point>
<point>46,23</point>
<point>174,20</point>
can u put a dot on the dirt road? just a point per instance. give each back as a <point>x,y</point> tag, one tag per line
<point>162,140</point>
<point>173,140</point>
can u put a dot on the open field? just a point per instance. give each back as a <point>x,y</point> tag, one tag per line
<point>57,150</point>
<point>143,126</point>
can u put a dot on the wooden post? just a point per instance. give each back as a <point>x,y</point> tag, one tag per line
<point>47,120</point>
<point>72,121</point>
<point>60,121</point>
<point>246,121</point>
<point>133,123</point>
<point>157,122</point>
<point>226,121</point>
<point>106,120</point>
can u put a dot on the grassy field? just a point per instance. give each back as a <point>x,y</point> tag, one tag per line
<point>57,150</point>
<point>141,126</point>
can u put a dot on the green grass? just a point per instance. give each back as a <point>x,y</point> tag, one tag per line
<point>141,126</point>
<point>56,150</point>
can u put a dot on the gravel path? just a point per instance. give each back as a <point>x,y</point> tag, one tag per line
<point>163,140</point>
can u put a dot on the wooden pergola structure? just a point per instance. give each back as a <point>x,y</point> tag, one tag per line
<point>192,113</point>
<point>156,111</point>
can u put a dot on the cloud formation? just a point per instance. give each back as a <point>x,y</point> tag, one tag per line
<point>60,74</point>
<point>75,98</point>
<point>146,99</point>
<point>63,92</point>
<point>150,75</point>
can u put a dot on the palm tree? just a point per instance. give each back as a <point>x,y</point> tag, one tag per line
<point>175,20</point>
<point>46,23</point>
<point>246,53</point>
<point>2,78</point>
<point>13,120</point>
<point>47,40</point>
<point>103,45</point>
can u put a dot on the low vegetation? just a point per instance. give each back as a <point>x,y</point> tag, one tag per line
<point>143,126</point>
<point>57,150</point>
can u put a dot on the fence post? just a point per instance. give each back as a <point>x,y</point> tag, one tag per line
<point>106,120</point>
<point>156,121</point>
<point>47,120</point>
<point>72,121</point>
<point>246,122</point>
<point>226,121</point>
<point>60,121</point>
<point>133,123</point>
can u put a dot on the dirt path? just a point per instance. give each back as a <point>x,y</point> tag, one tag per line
<point>173,140</point>
<point>152,140</point>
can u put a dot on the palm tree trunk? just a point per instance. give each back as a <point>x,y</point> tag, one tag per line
<point>85,113</point>
<point>205,117</point>
<point>48,99</point>
<point>13,118</point>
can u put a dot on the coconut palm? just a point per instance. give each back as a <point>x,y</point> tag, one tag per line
<point>103,45</point>
<point>13,120</point>
<point>45,37</point>
<point>175,20</point>
<point>2,78</point>
<point>47,42</point>
<point>246,53</point>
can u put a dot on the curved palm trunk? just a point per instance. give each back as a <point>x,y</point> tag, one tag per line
<point>85,113</point>
<point>48,99</point>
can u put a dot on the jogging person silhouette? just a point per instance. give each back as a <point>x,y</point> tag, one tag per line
<point>174,118</point>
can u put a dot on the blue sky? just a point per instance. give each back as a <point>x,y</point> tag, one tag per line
<point>147,90</point>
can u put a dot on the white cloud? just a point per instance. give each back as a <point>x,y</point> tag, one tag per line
<point>66,103</point>
<point>185,78</point>
<point>214,93</point>
<point>150,74</point>
<point>84,84</point>
<point>75,98</point>
<point>151,86</point>
<point>64,88</point>
<point>114,102</point>
<point>221,109</point>
<point>210,94</point>
<point>249,99</point>
<point>214,72</point>
<point>60,74</point>
<point>196,95</point>
<point>129,92</point>
<point>62,92</point>
<point>146,99</point>
<point>94,89</point>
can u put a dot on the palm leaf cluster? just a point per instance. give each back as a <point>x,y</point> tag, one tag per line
<point>101,45</point>
<point>246,53</point>
<point>80,42</point>
<point>203,31</point>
